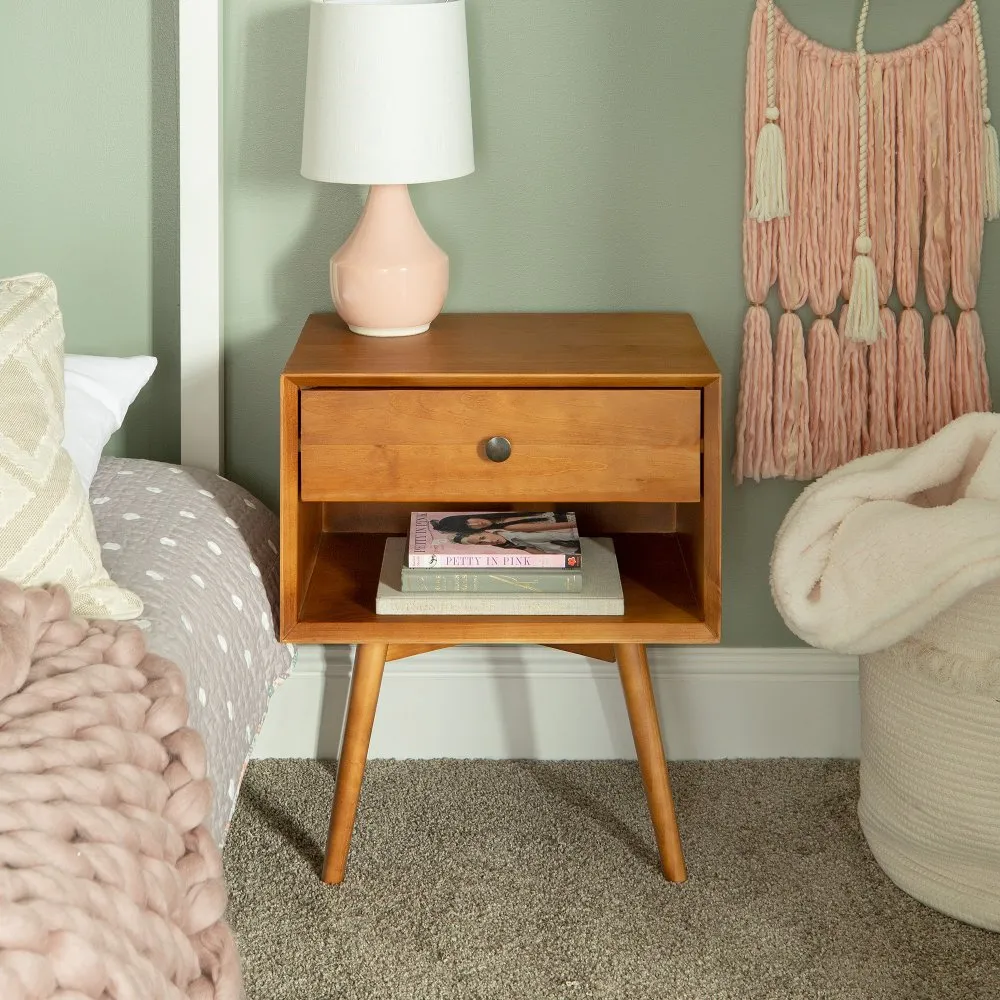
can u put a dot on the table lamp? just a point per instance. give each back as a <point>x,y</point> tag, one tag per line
<point>387,104</point>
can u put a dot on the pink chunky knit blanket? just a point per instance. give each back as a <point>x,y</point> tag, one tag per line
<point>110,885</point>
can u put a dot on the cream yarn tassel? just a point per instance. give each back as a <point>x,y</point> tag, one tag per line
<point>991,146</point>
<point>770,172</point>
<point>770,167</point>
<point>863,312</point>
<point>991,168</point>
<point>863,321</point>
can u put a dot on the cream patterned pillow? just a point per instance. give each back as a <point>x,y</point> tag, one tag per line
<point>46,527</point>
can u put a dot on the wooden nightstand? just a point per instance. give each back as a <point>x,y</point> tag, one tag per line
<point>614,415</point>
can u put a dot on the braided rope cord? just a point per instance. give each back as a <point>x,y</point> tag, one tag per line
<point>772,85</point>
<point>863,241</point>
<point>981,53</point>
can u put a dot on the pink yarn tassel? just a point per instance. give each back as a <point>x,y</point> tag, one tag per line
<point>940,372</point>
<point>826,416</point>
<point>911,380</point>
<point>854,384</point>
<point>882,387</point>
<point>754,457</point>
<point>967,104</point>
<point>971,383</point>
<point>792,447</point>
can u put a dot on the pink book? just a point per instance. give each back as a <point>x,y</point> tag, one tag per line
<point>475,539</point>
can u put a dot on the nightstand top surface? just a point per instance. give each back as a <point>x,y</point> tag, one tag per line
<point>625,349</point>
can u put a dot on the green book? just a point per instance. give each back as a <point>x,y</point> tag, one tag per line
<point>491,581</point>
<point>601,594</point>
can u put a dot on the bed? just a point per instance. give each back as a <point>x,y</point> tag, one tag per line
<point>199,550</point>
<point>202,554</point>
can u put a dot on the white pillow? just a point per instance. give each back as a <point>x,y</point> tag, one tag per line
<point>99,392</point>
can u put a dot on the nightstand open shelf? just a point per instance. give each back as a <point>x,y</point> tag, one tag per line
<point>660,602</point>
<point>615,416</point>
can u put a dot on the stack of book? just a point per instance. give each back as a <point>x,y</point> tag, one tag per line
<point>498,563</point>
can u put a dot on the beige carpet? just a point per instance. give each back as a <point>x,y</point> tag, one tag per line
<point>481,880</point>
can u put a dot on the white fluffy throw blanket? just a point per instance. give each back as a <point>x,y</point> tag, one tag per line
<point>872,552</point>
<point>110,886</point>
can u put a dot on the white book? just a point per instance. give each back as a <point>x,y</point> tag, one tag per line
<point>601,594</point>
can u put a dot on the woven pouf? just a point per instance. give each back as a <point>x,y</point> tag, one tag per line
<point>930,760</point>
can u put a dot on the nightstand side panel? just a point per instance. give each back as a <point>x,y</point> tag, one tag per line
<point>301,523</point>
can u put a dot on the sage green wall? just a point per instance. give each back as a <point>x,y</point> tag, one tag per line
<point>88,177</point>
<point>609,151</point>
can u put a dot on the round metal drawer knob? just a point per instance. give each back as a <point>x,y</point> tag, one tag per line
<point>498,449</point>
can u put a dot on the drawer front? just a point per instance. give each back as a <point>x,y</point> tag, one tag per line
<point>565,444</point>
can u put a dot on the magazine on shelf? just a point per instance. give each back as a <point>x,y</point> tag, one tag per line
<point>508,540</point>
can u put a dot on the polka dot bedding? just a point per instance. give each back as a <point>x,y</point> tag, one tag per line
<point>202,553</point>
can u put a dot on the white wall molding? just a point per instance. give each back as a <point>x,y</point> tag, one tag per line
<point>535,702</point>
<point>199,53</point>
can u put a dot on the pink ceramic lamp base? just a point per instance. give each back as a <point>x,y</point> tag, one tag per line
<point>389,279</point>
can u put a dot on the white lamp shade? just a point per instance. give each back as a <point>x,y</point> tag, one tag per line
<point>387,93</point>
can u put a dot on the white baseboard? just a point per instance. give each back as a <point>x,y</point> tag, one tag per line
<point>536,702</point>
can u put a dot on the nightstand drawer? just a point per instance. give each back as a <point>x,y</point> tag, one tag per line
<point>564,445</point>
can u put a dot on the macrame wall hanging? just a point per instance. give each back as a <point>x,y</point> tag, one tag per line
<point>865,172</point>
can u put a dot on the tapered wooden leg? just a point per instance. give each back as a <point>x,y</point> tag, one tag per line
<point>369,663</point>
<point>634,670</point>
